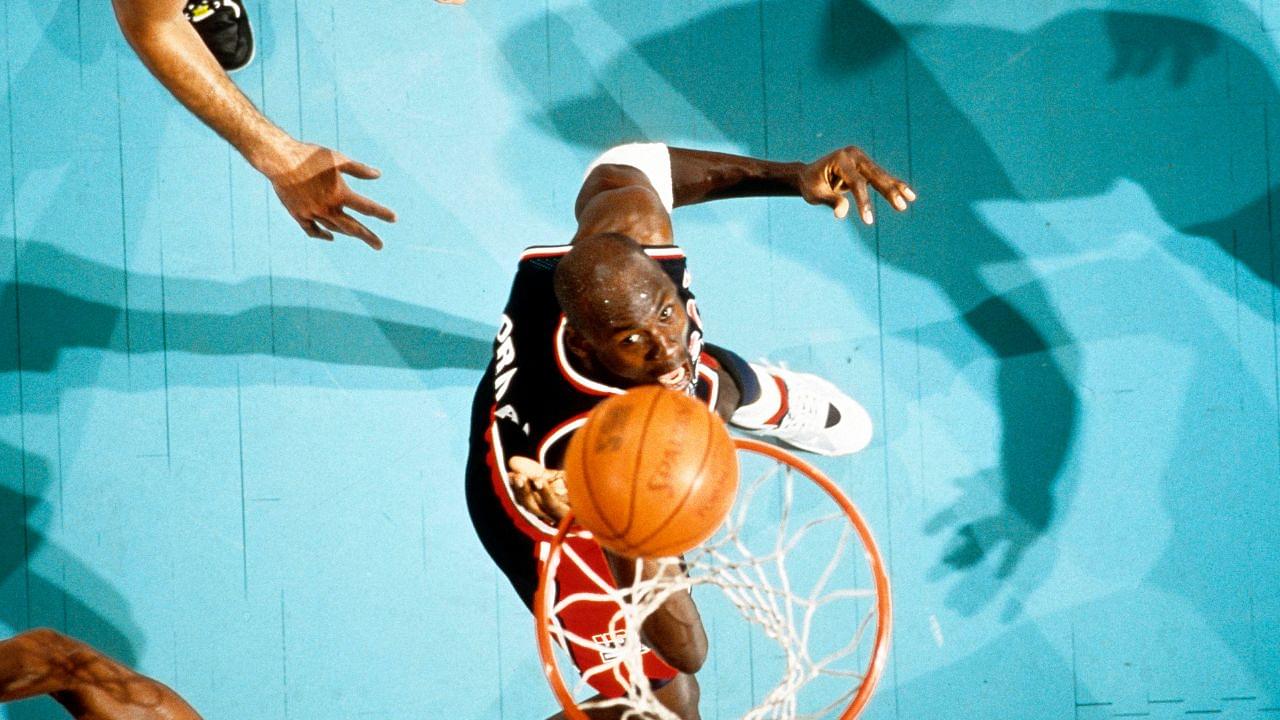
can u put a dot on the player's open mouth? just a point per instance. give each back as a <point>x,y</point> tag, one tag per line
<point>677,379</point>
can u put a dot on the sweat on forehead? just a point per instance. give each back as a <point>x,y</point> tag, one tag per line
<point>604,275</point>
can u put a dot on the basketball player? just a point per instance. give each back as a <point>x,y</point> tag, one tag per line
<point>90,685</point>
<point>614,310</point>
<point>190,47</point>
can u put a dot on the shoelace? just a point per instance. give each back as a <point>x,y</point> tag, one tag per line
<point>806,411</point>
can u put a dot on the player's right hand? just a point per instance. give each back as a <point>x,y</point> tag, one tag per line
<point>539,490</point>
<point>308,179</point>
<point>829,179</point>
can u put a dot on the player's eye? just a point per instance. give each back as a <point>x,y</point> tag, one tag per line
<point>666,313</point>
<point>631,339</point>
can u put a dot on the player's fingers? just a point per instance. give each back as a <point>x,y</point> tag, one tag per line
<point>861,166</point>
<point>339,221</point>
<point>525,466</point>
<point>554,505</point>
<point>358,169</point>
<point>863,198</point>
<point>557,485</point>
<point>365,206</point>
<point>829,193</point>
<point>313,230</point>
<point>842,207</point>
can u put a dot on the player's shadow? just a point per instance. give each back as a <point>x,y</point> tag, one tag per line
<point>857,69</point>
<point>859,50</point>
<point>71,311</point>
<point>394,334</point>
<point>42,583</point>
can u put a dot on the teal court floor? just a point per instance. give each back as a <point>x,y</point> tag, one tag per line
<point>232,455</point>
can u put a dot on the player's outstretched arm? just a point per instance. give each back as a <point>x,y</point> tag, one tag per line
<point>307,178</point>
<point>87,683</point>
<point>698,176</point>
<point>632,189</point>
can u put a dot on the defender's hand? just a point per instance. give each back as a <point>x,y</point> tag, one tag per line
<point>827,180</point>
<point>310,184</point>
<point>539,490</point>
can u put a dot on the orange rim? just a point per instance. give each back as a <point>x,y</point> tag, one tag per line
<point>884,599</point>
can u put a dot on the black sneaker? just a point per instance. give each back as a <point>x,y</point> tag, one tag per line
<point>224,27</point>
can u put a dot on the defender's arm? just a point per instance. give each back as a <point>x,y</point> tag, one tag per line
<point>306,177</point>
<point>90,685</point>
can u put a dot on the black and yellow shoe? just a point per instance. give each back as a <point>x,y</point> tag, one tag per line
<point>224,27</point>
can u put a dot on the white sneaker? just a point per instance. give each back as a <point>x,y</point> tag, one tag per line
<point>820,418</point>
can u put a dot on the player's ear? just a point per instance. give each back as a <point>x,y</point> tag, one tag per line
<point>575,343</point>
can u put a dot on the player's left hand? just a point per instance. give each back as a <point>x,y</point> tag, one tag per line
<point>539,490</point>
<point>828,180</point>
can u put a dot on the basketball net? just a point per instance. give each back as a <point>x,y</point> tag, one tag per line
<point>794,560</point>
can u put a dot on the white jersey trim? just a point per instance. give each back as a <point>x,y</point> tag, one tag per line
<point>549,441</point>
<point>575,378</point>
<point>657,252</point>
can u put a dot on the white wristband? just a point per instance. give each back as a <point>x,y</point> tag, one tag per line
<point>652,159</point>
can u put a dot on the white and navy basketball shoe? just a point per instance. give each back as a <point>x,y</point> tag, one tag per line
<point>224,27</point>
<point>814,416</point>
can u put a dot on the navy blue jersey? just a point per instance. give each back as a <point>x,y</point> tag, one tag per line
<point>533,396</point>
<point>540,395</point>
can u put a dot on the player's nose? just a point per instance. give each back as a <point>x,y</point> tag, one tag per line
<point>665,349</point>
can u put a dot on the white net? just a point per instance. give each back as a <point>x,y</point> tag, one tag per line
<point>792,563</point>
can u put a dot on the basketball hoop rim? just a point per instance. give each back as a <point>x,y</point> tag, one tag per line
<point>884,599</point>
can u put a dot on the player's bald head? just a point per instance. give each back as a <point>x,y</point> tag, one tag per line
<point>606,278</point>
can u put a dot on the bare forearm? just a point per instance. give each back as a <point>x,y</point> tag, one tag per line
<point>174,53</point>
<point>26,665</point>
<point>84,681</point>
<point>699,176</point>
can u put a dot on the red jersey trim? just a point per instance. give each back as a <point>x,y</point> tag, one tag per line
<point>707,373</point>
<point>527,522</point>
<point>784,403</point>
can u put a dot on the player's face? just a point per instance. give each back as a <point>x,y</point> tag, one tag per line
<point>645,341</point>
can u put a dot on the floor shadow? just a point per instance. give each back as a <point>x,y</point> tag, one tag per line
<point>1063,110</point>
<point>54,586</point>
<point>394,334</point>
<point>57,303</point>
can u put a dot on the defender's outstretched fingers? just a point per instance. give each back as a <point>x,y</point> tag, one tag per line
<point>365,206</point>
<point>358,169</point>
<point>312,229</point>
<point>341,222</point>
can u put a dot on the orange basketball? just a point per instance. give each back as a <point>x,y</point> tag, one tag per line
<point>652,473</point>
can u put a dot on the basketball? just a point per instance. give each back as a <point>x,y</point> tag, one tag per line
<point>652,473</point>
